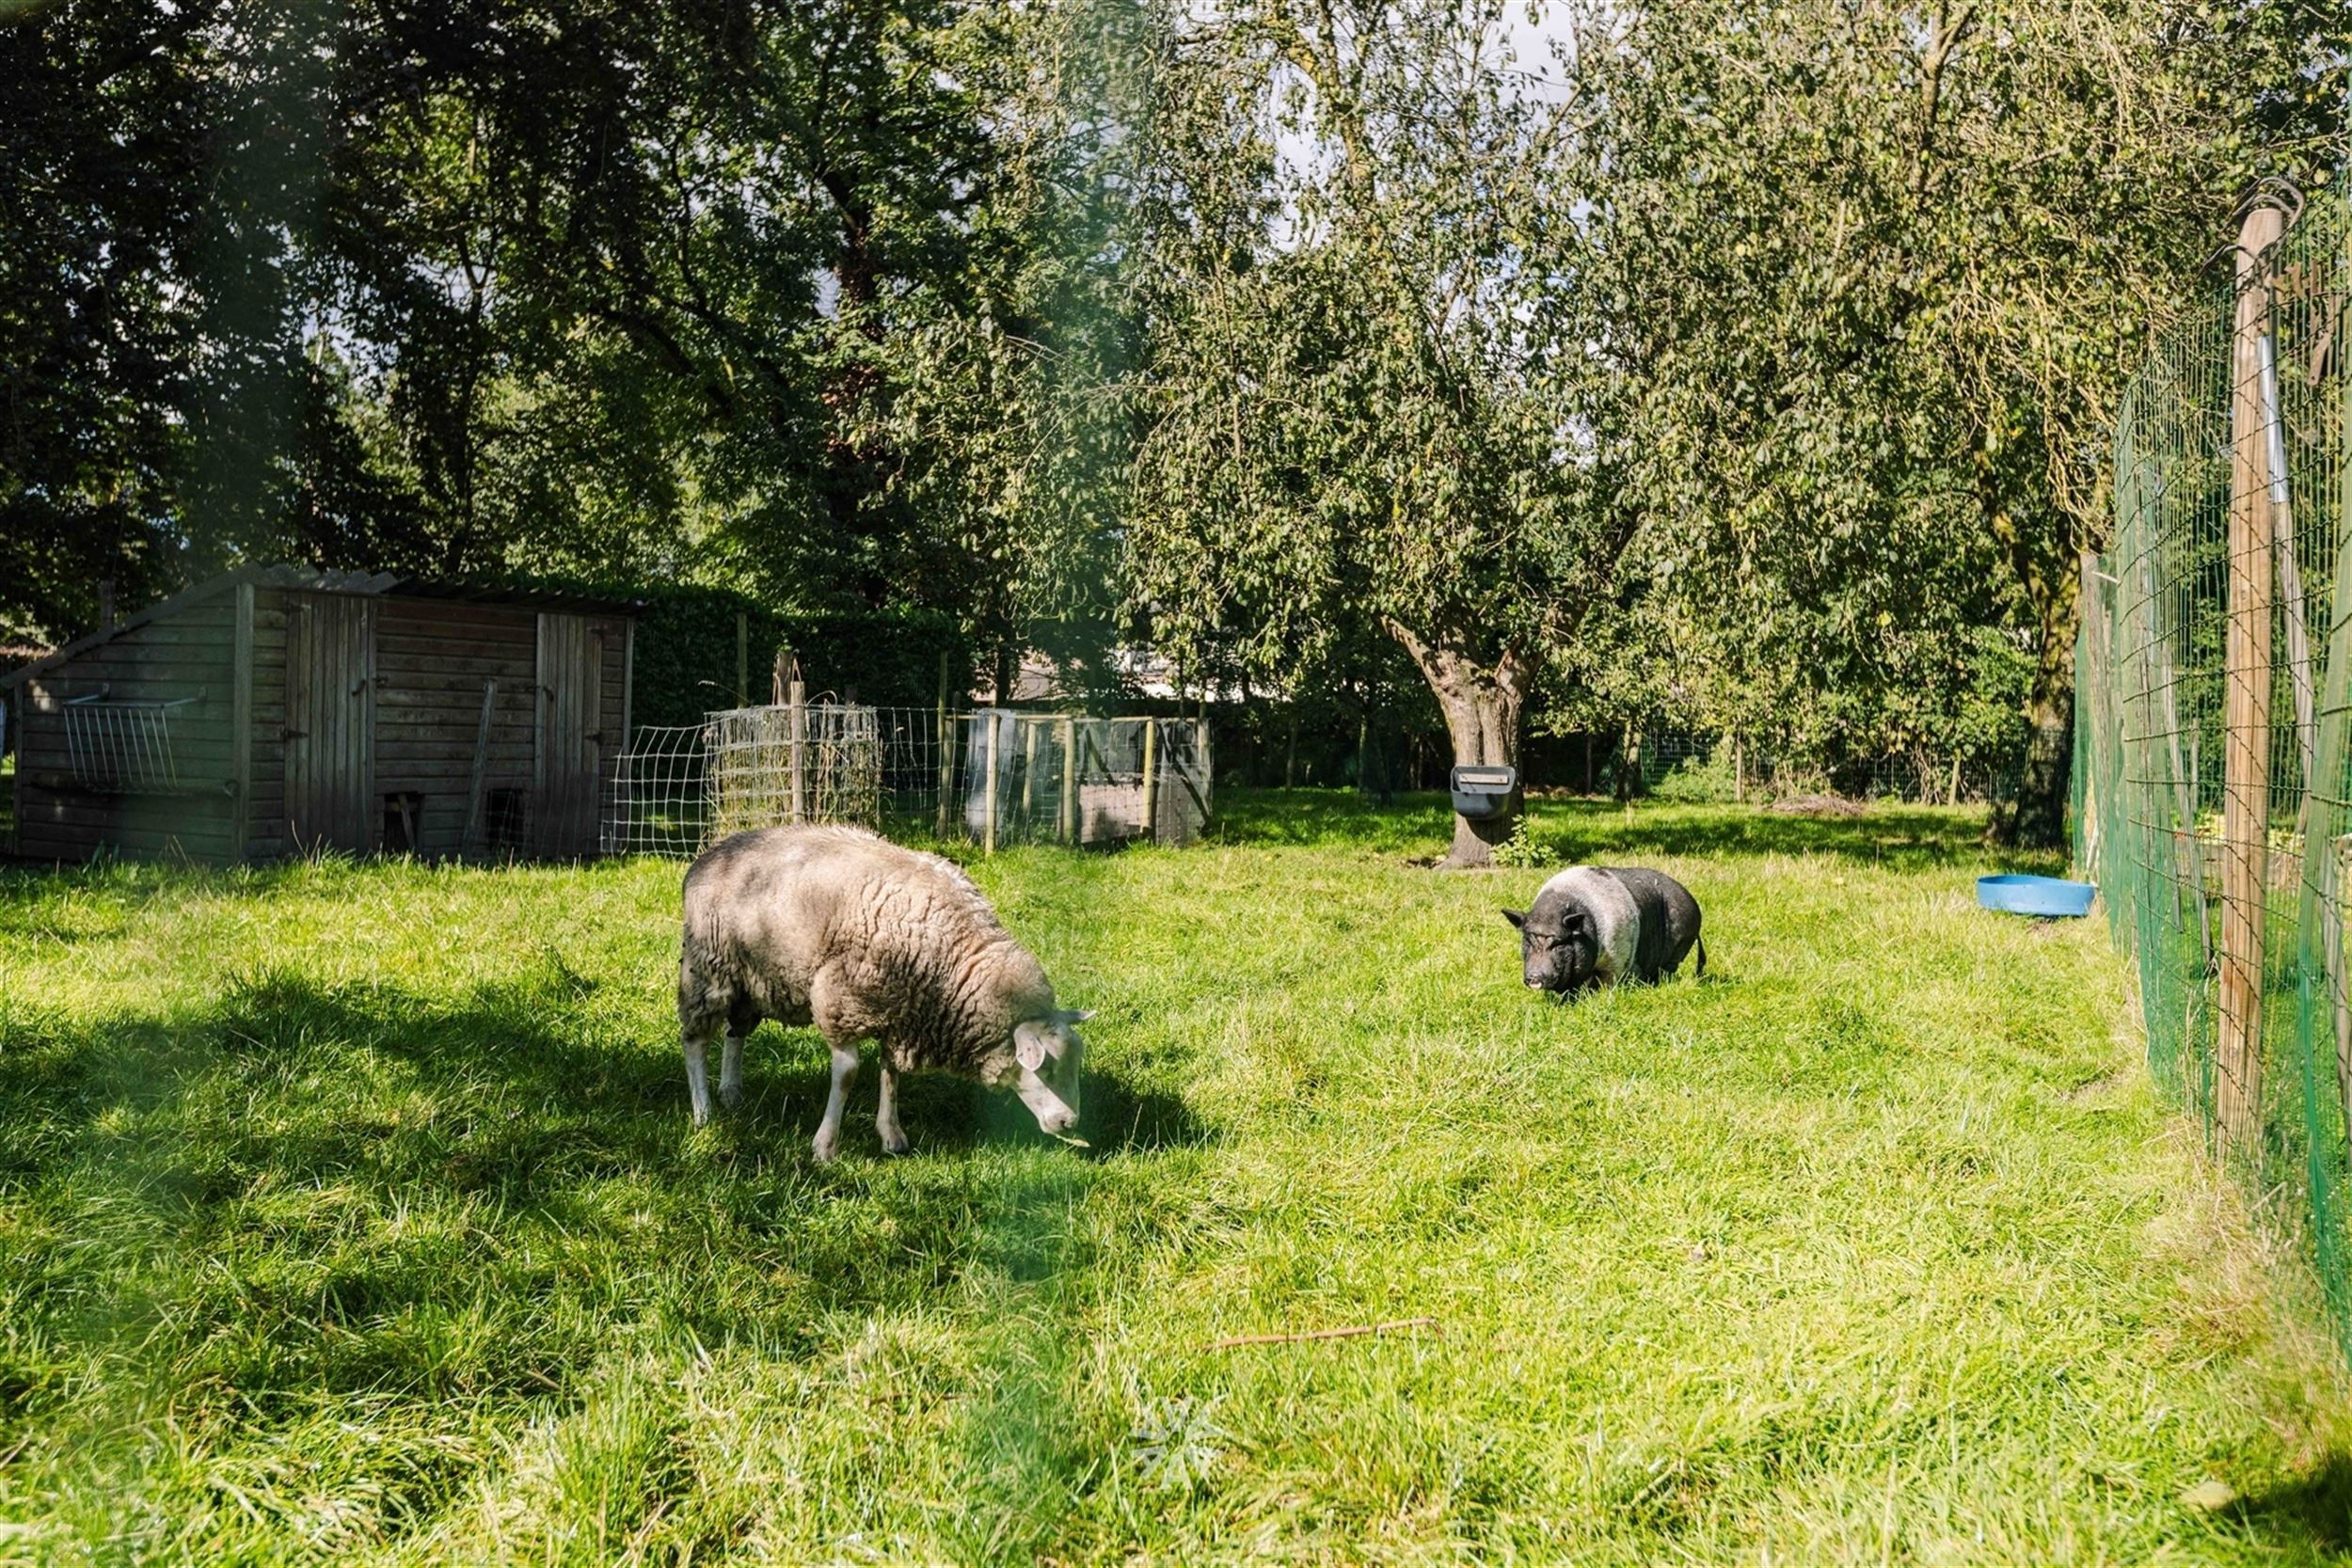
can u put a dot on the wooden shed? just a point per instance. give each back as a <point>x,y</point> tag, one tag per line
<point>273,712</point>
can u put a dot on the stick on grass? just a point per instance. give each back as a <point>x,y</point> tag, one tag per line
<point>1357,1332</point>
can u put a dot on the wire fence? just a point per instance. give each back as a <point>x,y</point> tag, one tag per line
<point>1715,768</point>
<point>995,777</point>
<point>2214,669</point>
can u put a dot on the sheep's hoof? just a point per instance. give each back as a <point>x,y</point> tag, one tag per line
<point>895,1142</point>
<point>828,1149</point>
<point>731,1098</point>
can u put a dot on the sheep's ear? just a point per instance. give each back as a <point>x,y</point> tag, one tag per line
<point>1028,1046</point>
<point>1080,1016</point>
<point>1517,917</point>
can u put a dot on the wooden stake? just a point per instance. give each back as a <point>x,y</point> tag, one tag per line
<point>947,747</point>
<point>1150,781</point>
<point>2246,706</point>
<point>1069,781</point>
<point>2290,579</point>
<point>1207,792</point>
<point>471,841</point>
<point>1029,772</point>
<point>795,698</point>
<point>742,661</point>
<point>988,825</point>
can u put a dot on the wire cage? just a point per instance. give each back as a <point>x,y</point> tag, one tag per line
<point>767,766</point>
<point>1072,779</point>
<point>993,777</point>
<point>123,747</point>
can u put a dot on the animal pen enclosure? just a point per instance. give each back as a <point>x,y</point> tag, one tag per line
<point>2214,691</point>
<point>993,776</point>
<point>282,710</point>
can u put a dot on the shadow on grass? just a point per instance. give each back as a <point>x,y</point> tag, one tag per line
<point>1566,832</point>
<point>295,1142</point>
<point>2316,1508</point>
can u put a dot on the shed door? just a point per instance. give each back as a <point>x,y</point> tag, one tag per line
<point>571,661</point>
<point>330,720</point>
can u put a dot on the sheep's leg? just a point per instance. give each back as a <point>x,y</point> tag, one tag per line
<point>697,1078</point>
<point>731,1070</point>
<point>894,1138</point>
<point>843,1074</point>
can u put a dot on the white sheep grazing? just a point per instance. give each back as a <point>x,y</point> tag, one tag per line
<point>840,927</point>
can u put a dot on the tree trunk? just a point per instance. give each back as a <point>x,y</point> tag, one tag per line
<point>2036,819</point>
<point>1481,705</point>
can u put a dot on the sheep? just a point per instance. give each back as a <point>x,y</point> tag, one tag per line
<point>840,927</point>
<point>1594,925</point>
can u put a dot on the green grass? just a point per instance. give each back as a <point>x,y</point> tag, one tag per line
<point>352,1214</point>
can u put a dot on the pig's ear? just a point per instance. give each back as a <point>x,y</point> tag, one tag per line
<point>1517,917</point>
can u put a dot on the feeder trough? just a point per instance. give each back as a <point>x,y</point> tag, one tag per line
<point>2016,894</point>
<point>1480,793</point>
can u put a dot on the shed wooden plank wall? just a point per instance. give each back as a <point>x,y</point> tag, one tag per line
<point>432,659</point>
<point>265,810</point>
<point>185,653</point>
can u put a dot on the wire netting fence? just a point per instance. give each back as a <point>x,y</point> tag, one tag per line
<point>2214,686</point>
<point>994,777</point>
<point>1713,766</point>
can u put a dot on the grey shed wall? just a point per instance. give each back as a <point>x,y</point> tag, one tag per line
<point>321,712</point>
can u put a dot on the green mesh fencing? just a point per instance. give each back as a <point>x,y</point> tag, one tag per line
<point>2155,668</point>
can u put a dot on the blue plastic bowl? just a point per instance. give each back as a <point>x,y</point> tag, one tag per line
<point>2016,894</point>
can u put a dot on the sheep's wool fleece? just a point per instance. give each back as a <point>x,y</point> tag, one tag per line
<point>1616,918</point>
<point>841,928</point>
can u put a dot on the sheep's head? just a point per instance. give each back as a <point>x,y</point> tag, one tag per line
<point>1042,1065</point>
<point>1559,950</point>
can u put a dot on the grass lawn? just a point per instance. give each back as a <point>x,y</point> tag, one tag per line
<point>352,1214</point>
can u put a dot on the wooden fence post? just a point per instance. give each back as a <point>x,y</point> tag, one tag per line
<point>947,747</point>
<point>1150,781</point>
<point>1208,774</point>
<point>742,661</point>
<point>1028,774</point>
<point>1069,781</point>
<point>794,695</point>
<point>2246,705</point>
<point>995,746</point>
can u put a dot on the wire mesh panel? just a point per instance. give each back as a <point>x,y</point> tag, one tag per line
<point>2214,692</point>
<point>122,747</point>
<point>769,766</point>
<point>658,800</point>
<point>1074,779</point>
<point>994,776</point>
